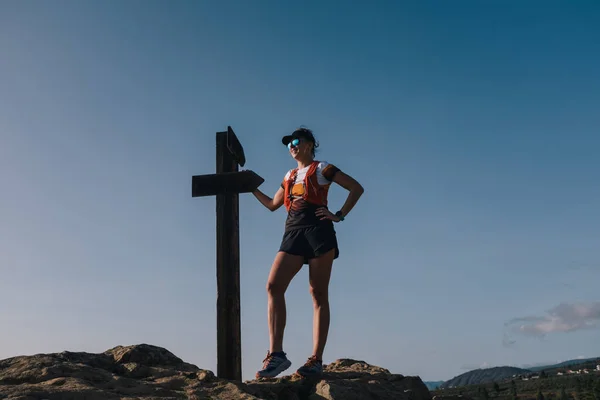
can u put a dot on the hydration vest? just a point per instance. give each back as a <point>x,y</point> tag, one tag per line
<point>314,193</point>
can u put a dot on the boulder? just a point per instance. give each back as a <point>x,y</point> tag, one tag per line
<point>152,373</point>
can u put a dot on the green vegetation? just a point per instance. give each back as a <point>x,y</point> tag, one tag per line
<point>587,364</point>
<point>488,375</point>
<point>549,387</point>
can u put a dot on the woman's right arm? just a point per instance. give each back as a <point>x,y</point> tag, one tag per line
<point>271,203</point>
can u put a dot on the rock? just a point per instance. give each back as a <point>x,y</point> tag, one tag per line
<point>451,397</point>
<point>345,379</point>
<point>152,373</point>
<point>144,354</point>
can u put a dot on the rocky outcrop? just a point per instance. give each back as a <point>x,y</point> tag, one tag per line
<point>149,372</point>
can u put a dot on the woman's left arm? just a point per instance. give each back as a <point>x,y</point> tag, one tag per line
<point>349,183</point>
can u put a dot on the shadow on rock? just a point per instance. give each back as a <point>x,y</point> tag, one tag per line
<point>343,379</point>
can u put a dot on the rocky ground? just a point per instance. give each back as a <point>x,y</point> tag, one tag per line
<point>150,372</point>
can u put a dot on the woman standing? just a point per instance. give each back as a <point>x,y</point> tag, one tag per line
<point>309,238</point>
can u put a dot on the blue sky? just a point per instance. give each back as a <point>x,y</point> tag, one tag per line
<point>473,128</point>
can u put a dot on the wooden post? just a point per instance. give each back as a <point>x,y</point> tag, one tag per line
<point>229,349</point>
<point>226,184</point>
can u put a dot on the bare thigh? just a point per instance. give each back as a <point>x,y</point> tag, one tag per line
<point>320,273</point>
<point>284,268</point>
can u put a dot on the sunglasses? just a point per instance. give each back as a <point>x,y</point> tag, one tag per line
<point>293,143</point>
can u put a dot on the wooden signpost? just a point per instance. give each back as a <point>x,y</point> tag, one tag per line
<point>226,185</point>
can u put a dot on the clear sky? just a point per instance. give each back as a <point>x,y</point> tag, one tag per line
<point>473,127</point>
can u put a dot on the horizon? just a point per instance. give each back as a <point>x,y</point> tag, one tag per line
<point>536,364</point>
<point>472,127</point>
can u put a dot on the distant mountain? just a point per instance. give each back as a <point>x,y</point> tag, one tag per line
<point>497,374</point>
<point>564,364</point>
<point>486,375</point>
<point>432,385</point>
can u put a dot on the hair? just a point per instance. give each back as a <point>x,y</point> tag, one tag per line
<point>309,132</point>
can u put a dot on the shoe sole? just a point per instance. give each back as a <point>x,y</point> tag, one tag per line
<point>282,367</point>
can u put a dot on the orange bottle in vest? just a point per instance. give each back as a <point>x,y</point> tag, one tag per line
<point>314,193</point>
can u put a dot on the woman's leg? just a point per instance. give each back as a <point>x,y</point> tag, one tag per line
<point>319,277</point>
<point>284,268</point>
<point>319,273</point>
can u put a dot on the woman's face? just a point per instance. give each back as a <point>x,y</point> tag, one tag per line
<point>300,149</point>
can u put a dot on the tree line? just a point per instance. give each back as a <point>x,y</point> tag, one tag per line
<point>566,387</point>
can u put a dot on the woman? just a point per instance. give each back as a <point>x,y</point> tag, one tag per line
<point>309,238</point>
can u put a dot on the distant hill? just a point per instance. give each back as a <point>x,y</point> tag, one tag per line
<point>432,385</point>
<point>498,374</point>
<point>487,375</point>
<point>565,364</point>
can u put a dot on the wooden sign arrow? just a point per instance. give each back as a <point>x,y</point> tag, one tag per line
<point>225,182</point>
<point>235,147</point>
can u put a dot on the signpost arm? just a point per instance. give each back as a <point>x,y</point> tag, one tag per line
<point>229,352</point>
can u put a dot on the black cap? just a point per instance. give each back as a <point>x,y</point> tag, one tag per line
<point>304,133</point>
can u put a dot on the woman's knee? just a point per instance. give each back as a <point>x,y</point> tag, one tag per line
<point>320,296</point>
<point>283,270</point>
<point>275,289</point>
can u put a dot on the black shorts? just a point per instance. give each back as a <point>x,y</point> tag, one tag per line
<point>310,242</point>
